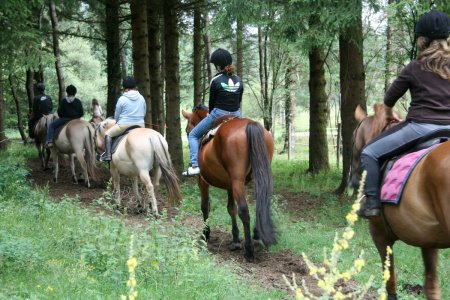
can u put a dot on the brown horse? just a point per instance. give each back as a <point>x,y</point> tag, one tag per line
<point>76,139</point>
<point>422,219</point>
<point>241,150</point>
<point>40,133</point>
<point>140,151</point>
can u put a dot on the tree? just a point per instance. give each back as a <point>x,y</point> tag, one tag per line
<point>57,51</point>
<point>197,55</point>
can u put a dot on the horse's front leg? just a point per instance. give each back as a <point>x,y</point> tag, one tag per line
<point>55,158</point>
<point>239,196</point>
<point>47,158</point>
<point>141,207</point>
<point>205,205</point>
<point>72,169</point>
<point>116,183</point>
<point>232,211</point>
<point>430,260</point>
<point>144,175</point>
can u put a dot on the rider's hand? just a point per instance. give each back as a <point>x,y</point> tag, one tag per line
<point>390,115</point>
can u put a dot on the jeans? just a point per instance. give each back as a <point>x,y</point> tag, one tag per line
<point>390,143</point>
<point>55,124</point>
<point>203,127</point>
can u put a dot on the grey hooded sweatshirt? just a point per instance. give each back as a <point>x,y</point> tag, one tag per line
<point>130,108</point>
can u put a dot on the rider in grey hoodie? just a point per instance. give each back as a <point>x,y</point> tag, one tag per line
<point>130,111</point>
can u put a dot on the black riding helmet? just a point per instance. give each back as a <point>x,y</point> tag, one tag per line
<point>221,58</point>
<point>40,87</point>
<point>433,25</point>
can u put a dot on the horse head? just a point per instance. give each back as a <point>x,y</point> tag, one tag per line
<point>199,112</point>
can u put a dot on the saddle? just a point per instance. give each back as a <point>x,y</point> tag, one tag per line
<point>396,170</point>
<point>59,129</point>
<point>210,134</point>
<point>116,140</point>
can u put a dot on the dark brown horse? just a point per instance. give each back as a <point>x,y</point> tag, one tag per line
<point>422,219</point>
<point>40,133</point>
<point>241,150</point>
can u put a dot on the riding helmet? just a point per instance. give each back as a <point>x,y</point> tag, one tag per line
<point>71,90</point>
<point>221,58</point>
<point>433,25</point>
<point>40,87</point>
<point>129,82</point>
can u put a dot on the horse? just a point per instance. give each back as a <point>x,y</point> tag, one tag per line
<point>76,138</point>
<point>422,219</point>
<point>40,133</point>
<point>241,150</point>
<point>139,151</point>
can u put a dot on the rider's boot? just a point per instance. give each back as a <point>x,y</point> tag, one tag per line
<point>106,156</point>
<point>370,208</point>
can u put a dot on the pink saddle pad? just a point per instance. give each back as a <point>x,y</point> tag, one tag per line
<point>396,178</point>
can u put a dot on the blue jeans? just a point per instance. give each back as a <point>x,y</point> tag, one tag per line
<point>390,143</point>
<point>203,127</point>
<point>53,126</point>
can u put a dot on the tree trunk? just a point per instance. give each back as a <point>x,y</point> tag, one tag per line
<point>352,78</point>
<point>29,87</point>
<point>139,37</point>
<point>154,50</point>
<point>207,42</point>
<point>289,105</point>
<point>18,109</point>
<point>3,139</point>
<point>114,75</point>
<point>262,50</point>
<point>318,144</point>
<point>172,76</point>
<point>239,47</point>
<point>57,51</point>
<point>389,70</point>
<point>197,53</point>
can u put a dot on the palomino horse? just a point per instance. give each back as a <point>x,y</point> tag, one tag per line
<point>422,219</point>
<point>76,139</point>
<point>240,150</point>
<point>40,133</point>
<point>141,150</point>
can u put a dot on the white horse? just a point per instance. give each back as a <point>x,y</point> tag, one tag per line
<point>140,151</point>
<point>76,139</point>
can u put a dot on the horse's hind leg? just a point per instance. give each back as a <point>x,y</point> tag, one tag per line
<point>205,206</point>
<point>144,175</point>
<point>430,259</point>
<point>239,197</point>
<point>116,183</point>
<point>142,206</point>
<point>80,157</point>
<point>47,158</point>
<point>236,244</point>
<point>56,165</point>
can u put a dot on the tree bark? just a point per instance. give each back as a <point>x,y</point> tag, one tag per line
<point>18,109</point>
<point>318,106</point>
<point>389,70</point>
<point>154,14</point>
<point>139,37</point>
<point>289,104</point>
<point>352,84</point>
<point>262,50</point>
<point>114,75</point>
<point>197,55</point>
<point>172,76</point>
<point>3,139</point>
<point>29,87</point>
<point>207,42</point>
<point>239,47</point>
<point>57,52</point>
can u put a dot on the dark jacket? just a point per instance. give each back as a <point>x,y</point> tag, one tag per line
<point>225,92</point>
<point>72,110</point>
<point>42,105</point>
<point>430,95</point>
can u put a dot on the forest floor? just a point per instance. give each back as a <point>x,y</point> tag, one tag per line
<point>268,268</point>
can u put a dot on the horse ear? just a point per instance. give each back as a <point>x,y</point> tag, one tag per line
<point>186,115</point>
<point>360,114</point>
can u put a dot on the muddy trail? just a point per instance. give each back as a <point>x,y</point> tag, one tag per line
<point>268,269</point>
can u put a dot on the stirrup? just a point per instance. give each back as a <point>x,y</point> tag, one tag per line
<point>105,157</point>
<point>368,213</point>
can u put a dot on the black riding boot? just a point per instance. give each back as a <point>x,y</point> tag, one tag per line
<point>370,208</point>
<point>106,156</point>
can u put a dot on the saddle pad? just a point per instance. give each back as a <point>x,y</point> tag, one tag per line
<point>116,140</point>
<point>396,178</point>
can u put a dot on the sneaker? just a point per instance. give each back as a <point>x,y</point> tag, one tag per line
<point>191,171</point>
<point>49,145</point>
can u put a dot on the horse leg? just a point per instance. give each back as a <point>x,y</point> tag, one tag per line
<point>80,156</point>
<point>430,260</point>
<point>116,183</point>
<point>56,165</point>
<point>141,208</point>
<point>72,168</point>
<point>205,205</point>
<point>236,244</point>
<point>156,175</point>
<point>239,197</point>
<point>144,175</point>
<point>47,158</point>
<point>381,241</point>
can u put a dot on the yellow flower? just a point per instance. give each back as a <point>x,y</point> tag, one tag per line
<point>359,264</point>
<point>383,296</point>
<point>356,206</point>
<point>132,264</point>
<point>312,270</point>
<point>346,276</point>
<point>339,296</point>
<point>348,234</point>
<point>327,262</point>
<point>321,271</point>
<point>320,283</point>
<point>386,275</point>
<point>122,297</point>
<point>351,217</point>
<point>135,293</point>
<point>131,297</point>
<point>131,282</point>
<point>50,289</point>
<point>337,247</point>
<point>299,295</point>
<point>389,250</point>
<point>343,243</point>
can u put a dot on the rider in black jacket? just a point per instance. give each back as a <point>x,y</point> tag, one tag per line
<point>42,105</point>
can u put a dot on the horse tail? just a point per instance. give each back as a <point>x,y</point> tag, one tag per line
<point>162,156</point>
<point>262,176</point>
<point>89,153</point>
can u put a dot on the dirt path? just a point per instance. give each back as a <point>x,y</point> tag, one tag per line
<point>268,268</point>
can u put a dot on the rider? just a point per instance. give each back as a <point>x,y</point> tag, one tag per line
<point>130,111</point>
<point>225,96</point>
<point>42,105</point>
<point>428,80</point>
<point>96,111</point>
<point>69,108</point>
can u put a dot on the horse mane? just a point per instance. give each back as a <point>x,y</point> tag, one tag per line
<point>379,121</point>
<point>200,106</point>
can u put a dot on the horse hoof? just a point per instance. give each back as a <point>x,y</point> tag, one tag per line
<point>249,258</point>
<point>235,246</point>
